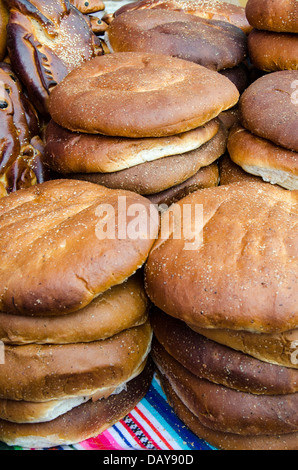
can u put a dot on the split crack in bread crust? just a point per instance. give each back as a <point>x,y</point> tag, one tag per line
<point>140,95</point>
<point>53,263</point>
<point>243,276</point>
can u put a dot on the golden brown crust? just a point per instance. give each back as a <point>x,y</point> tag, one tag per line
<point>225,410</point>
<point>166,85</point>
<point>206,177</point>
<point>271,52</point>
<point>244,274</point>
<point>280,348</point>
<point>224,440</point>
<point>70,370</point>
<point>2,190</point>
<point>216,45</point>
<point>70,152</point>
<point>50,233</point>
<point>268,108</point>
<point>273,15</point>
<point>162,174</point>
<point>82,422</point>
<point>219,363</point>
<point>45,44</point>
<point>260,157</point>
<point>210,9</point>
<point>121,307</point>
<point>3,25</point>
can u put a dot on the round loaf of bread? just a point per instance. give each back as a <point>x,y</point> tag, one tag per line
<point>226,257</point>
<point>82,422</point>
<point>39,373</point>
<point>261,157</point>
<point>224,440</point>
<point>225,410</point>
<point>216,45</point>
<point>268,108</point>
<point>69,152</point>
<point>119,308</point>
<point>160,175</point>
<point>208,9</point>
<point>273,15</point>
<point>56,256</point>
<point>213,361</point>
<point>279,348</point>
<point>132,94</point>
<point>271,52</point>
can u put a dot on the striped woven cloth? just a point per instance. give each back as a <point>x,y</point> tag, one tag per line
<point>151,425</point>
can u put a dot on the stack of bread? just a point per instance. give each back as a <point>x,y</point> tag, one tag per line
<point>265,143</point>
<point>273,43</point>
<point>74,314</point>
<point>141,122</point>
<point>225,322</point>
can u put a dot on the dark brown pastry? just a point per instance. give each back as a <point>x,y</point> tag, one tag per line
<point>21,155</point>
<point>46,40</point>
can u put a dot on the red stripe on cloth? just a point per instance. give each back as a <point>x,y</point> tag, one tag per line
<point>153,428</point>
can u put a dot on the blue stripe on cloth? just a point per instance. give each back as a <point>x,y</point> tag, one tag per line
<point>163,412</point>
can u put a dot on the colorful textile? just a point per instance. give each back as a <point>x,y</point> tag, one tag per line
<point>152,425</point>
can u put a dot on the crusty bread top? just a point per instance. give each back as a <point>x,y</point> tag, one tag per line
<point>241,270</point>
<point>214,44</point>
<point>273,15</point>
<point>131,94</point>
<point>268,108</point>
<point>209,9</point>
<point>54,257</point>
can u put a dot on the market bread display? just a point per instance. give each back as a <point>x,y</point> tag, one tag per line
<point>273,43</point>
<point>146,148</point>
<point>214,44</point>
<point>75,348</point>
<point>265,143</point>
<point>148,224</point>
<point>210,10</point>
<point>224,319</point>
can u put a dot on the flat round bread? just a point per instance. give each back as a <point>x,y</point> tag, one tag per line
<point>132,94</point>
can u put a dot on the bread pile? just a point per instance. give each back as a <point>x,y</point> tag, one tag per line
<point>74,314</point>
<point>141,122</point>
<point>265,143</point>
<point>273,43</point>
<point>225,321</point>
